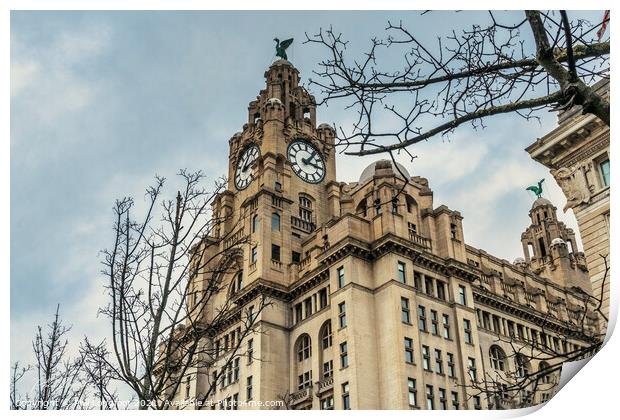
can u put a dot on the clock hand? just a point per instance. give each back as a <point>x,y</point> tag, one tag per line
<point>306,161</point>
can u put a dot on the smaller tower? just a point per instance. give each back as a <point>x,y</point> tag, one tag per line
<point>550,248</point>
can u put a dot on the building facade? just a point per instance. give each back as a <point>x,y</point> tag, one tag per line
<point>577,155</point>
<point>376,300</point>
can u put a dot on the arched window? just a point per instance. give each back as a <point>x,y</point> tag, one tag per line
<point>411,204</point>
<point>303,347</point>
<point>254,223</point>
<point>237,283</point>
<point>544,371</point>
<point>523,366</point>
<point>325,335</point>
<point>275,221</point>
<point>498,358</point>
<point>361,208</point>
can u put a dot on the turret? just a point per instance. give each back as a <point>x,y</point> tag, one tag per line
<point>550,248</point>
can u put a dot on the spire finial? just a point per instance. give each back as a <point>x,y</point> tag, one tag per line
<point>282,46</point>
<point>537,189</point>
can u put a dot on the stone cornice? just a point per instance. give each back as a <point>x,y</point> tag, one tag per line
<point>541,319</point>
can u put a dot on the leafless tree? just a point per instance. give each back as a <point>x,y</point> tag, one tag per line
<point>286,401</point>
<point>534,366</point>
<point>17,374</point>
<point>542,61</point>
<point>58,383</point>
<point>165,278</point>
<point>99,376</point>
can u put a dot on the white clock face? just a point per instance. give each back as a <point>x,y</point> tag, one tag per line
<point>244,174</point>
<point>306,161</point>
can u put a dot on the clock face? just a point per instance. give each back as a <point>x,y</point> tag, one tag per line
<point>244,174</point>
<point>306,161</point>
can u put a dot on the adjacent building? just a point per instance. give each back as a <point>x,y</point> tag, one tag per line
<point>377,301</point>
<point>577,155</point>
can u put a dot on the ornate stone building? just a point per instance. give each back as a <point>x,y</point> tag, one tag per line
<point>377,301</point>
<point>577,154</point>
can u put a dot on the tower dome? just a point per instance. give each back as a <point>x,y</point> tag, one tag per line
<point>383,167</point>
<point>540,202</point>
<point>558,241</point>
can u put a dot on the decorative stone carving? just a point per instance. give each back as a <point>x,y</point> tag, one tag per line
<point>574,185</point>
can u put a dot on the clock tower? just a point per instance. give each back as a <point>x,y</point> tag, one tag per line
<point>281,176</point>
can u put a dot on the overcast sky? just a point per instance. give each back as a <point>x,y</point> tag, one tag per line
<point>102,101</point>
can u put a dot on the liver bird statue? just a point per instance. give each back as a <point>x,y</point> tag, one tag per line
<point>537,189</point>
<point>282,46</point>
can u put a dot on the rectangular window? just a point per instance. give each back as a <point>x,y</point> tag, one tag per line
<point>342,315</point>
<point>250,351</point>
<point>428,286</point>
<point>254,255</point>
<point>235,369</point>
<point>471,367</point>
<point>326,338</point>
<point>404,308</point>
<point>249,391</point>
<point>254,223</point>
<point>496,324</point>
<point>187,387</point>
<point>422,318</point>
<point>275,222</point>
<point>446,326</point>
<point>344,355</point>
<point>327,403</point>
<point>430,398</point>
<point>401,272</point>
<point>275,252</point>
<point>426,358</point>
<point>453,231</point>
<point>441,290</point>
<point>308,307</point>
<point>322,298</point>
<point>346,402</point>
<point>295,257</point>
<point>434,323</point>
<point>251,315</point>
<point>340,277</point>
<point>417,280</point>
<point>328,369</point>
<point>455,400</point>
<point>443,403</point>
<point>477,404</point>
<point>305,380</point>
<point>413,393</point>
<point>298,313</point>
<point>408,350</point>
<point>511,329</point>
<point>462,296</point>
<point>451,371</point>
<point>467,331</point>
<point>438,362</point>
<point>604,167</point>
